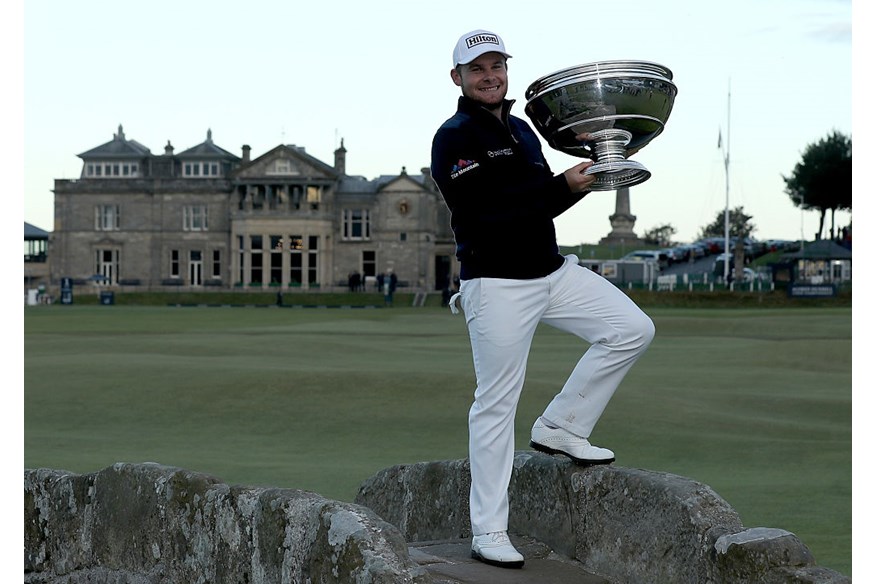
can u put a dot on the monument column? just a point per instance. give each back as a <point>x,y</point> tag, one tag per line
<point>622,222</point>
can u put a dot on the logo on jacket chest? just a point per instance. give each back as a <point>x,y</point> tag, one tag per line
<point>502,152</point>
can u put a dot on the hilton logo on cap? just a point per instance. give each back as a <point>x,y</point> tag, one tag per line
<point>480,39</point>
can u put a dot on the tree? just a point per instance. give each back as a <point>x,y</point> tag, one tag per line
<point>740,225</point>
<point>822,179</point>
<point>660,235</point>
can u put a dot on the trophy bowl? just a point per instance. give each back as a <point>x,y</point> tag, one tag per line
<point>623,105</point>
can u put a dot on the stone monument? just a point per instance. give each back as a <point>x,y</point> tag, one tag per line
<point>622,222</point>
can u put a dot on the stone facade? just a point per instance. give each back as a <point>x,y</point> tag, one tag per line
<point>206,219</point>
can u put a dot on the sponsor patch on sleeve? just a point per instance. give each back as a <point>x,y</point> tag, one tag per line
<point>462,167</point>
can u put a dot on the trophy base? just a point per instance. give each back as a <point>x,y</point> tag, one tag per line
<point>611,168</point>
<point>613,175</point>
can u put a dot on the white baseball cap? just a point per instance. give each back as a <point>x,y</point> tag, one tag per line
<point>472,45</point>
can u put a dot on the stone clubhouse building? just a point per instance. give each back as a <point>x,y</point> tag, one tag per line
<point>206,219</point>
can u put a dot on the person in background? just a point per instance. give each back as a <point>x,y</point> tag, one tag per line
<point>390,282</point>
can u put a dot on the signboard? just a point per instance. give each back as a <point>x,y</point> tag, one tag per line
<point>811,290</point>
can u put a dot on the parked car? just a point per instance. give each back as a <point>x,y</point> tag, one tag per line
<point>698,250</point>
<point>676,254</point>
<point>712,245</point>
<point>780,244</point>
<point>655,255</point>
<point>749,275</point>
<point>680,253</point>
<point>753,249</point>
<point>718,264</point>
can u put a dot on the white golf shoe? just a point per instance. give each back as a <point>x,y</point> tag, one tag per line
<point>495,549</point>
<point>559,441</point>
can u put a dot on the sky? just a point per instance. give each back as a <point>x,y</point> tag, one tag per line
<point>771,76</point>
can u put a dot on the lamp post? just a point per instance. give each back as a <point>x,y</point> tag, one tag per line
<point>799,200</point>
<point>801,263</point>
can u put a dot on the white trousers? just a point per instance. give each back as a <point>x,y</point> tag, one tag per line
<point>502,316</point>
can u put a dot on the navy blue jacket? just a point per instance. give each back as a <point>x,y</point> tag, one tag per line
<point>501,193</point>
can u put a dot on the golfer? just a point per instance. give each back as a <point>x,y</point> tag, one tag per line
<point>503,198</point>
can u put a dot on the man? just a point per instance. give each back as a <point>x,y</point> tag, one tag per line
<point>503,198</point>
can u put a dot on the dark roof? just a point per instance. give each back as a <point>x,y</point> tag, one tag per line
<point>33,232</point>
<point>356,184</point>
<point>359,184</point>
<point>822,249</point>
<point>385,179</point>
<point>119,147</point>
<point>296,152</point>
<point>208,150</point>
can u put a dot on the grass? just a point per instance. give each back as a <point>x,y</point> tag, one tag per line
<point>755,403</point>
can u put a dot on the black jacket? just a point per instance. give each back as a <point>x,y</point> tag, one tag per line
<point>501,193</point>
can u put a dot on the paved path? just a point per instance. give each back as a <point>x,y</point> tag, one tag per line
<point>450,562</point>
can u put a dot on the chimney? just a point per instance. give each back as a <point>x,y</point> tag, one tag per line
<point>168,150</point>
<point>428,182</point>
<point>341,159</point>
<point>246,153</point>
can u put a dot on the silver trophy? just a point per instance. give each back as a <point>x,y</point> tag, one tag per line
<point>623,105</point>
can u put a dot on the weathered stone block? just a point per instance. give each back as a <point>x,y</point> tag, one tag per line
<point>425,501</point>
<point>770,556</point>
<point>643,526</point>
<point>149,523</point>
<point>627,525</point>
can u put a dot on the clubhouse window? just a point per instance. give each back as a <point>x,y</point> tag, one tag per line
<point>195,218</point>
<point>356,225</point>
<point>112,169</point>
<point>200,169</point>
<point>106,217</point>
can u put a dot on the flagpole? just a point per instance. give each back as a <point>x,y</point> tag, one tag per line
<point>727,193</point>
